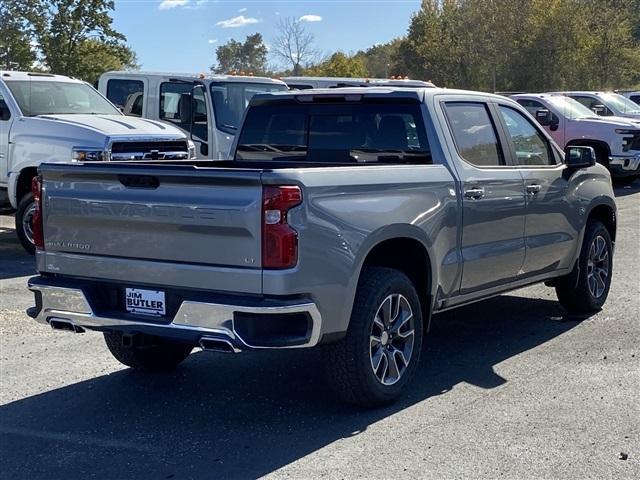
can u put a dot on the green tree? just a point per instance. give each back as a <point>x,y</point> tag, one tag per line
<point>247,56</point>
<point>15,42</point>
<point>379,59</point>
<point>76,37</point>
<point>339,65</point>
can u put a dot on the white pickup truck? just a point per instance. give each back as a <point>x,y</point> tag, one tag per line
<point>208,108</point>
<point>56,119</point>
<point>616,140</point>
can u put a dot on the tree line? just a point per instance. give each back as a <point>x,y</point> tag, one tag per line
<point>489,45</point>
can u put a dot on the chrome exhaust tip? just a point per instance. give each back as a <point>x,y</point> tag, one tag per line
<point>64,324</point>
<point>217,344</point>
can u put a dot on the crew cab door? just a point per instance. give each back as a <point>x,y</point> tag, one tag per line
<point>492,198</point>
<point>549,235</point>
<point>173,97</point>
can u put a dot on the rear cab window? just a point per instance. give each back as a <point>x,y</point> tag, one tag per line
<point>349,132</point>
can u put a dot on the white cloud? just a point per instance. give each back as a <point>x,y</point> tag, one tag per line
<point>310,18</point>
<point>242,10</point>
<point>235,22</point>
<point>169,4</point>
<point>213,40</point>
<point>277,13</point>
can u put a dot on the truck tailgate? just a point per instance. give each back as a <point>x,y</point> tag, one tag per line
<point>161,213</point>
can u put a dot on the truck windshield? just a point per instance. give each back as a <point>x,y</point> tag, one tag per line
<point>51,97</point>
<point>336,133</point>
<point>570,108</point>
<point>230,100</point>
<point>620,103</point>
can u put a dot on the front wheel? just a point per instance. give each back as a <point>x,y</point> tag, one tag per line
<point>595,267</point>
<point>154,354</point>
<point>24,216</point>
<point>376,360</point>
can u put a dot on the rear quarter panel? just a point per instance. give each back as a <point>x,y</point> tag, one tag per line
<point>349,210</point>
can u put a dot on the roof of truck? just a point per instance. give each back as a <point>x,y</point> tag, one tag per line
<point>194,76</point>
<point>407,92</point>
<point>364,81</point>
<point>35,76</point>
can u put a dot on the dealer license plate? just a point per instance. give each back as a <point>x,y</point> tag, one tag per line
<point>145,302</point>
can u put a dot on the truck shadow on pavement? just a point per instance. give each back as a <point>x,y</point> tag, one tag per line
<point>14,261</point>
<point>243,416</point>
<point>624,190</point>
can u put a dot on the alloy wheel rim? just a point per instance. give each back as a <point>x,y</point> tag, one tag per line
<point>27,219</point>
<point>598,267</point>
<point>392,338</point>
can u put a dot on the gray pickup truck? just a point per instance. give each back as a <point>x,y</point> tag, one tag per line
<point>345,219</point>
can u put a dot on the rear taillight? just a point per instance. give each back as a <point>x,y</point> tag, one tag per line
<point>279,239</point>
<point>36,219</point>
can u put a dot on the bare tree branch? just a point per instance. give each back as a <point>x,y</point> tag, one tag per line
<point>294,44</point>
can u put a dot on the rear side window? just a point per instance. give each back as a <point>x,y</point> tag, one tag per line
<point>127,95</point>
<point>342,133</point>
<point>474,133</point>
<point>530,147</point>
<point>635,98</point>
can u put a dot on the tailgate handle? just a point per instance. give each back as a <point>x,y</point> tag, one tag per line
<point>139,181</point>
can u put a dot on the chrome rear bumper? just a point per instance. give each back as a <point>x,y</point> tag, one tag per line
<point>193,319</point>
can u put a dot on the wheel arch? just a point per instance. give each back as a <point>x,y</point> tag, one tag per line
<point>406,250</point>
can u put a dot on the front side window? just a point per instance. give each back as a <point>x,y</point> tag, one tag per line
<point>172,97</point>
<point>127,95</point>
<point>57,98</point>
<point>593,104</point>
<point>474,133</point>
<point>230,100</point>
<point>530,147</point>
<point>636,99</point>
<point>340,133</point>
<point>5,114</point>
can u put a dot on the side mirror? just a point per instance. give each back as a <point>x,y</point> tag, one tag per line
<point>579,157</point>
<point>544,117</point>
<point>599,109</point>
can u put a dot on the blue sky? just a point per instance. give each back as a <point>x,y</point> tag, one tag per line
<point>181,35</point>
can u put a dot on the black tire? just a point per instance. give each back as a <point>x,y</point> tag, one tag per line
<point>158,355</point>
<point>580,298</point>
<point>24,207</point>
<point>349,362</point>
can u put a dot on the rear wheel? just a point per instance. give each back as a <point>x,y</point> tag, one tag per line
<point>24,215</point>
<point>595,267</point>
<point>152,353</point>
<point>376,360</point>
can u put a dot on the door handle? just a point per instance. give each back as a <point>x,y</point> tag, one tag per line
<point>533,189</point>
<point>474,193</point>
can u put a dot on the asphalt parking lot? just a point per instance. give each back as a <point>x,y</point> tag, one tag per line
<point>508,388</point>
